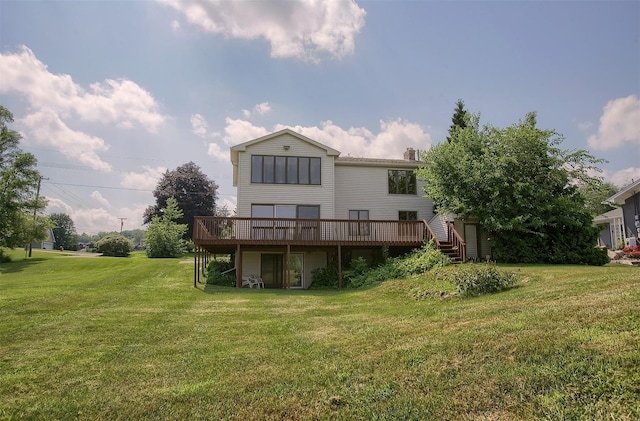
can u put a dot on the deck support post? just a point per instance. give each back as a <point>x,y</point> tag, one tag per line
<point>339,266</point>
<point>287,267</point>
<point>238,267</point>
<point>196,271</point>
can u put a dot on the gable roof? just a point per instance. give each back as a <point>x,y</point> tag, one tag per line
<point>376,162</point>
<point>243,146</point>
<point>608,216</point>
<point>620,197</point>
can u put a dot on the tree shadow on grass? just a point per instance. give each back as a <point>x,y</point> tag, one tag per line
<point>221,290</point>
<point>20,265</point>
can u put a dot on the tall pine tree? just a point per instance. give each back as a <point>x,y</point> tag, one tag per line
<point>459,119</point>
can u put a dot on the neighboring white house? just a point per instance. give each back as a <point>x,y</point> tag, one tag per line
<point>47,243</point>
<point>297,206</point>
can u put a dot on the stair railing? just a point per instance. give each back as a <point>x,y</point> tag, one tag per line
<point>457,241</point>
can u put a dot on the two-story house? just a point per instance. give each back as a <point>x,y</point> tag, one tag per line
<point>301,206</point>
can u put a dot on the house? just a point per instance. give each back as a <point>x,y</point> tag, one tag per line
<point>301,206</point>
<point>611,229</point>
<point>47,243</point>
<point>629,200</point>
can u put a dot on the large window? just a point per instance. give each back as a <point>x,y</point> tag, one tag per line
<point>271,169</point>
<point>408,215</point>
<point>402,182</point>
<point>286,211</point>
<point>359,228</point>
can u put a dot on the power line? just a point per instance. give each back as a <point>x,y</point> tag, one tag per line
<point>100,187</point>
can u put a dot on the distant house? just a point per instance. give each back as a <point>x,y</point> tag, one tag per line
<point>611,229</point>
<point>47,243</point>
<point>629,200</point>
<point>301,206</point>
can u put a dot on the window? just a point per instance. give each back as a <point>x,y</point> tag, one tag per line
<point>402,182</point>
<point>408,215</point>
<point>269,169</point>
<point>359,228</point>
<point>286,211</point>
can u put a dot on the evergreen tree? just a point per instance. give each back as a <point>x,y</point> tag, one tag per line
<point>164,236</point>
<point>459,119</point>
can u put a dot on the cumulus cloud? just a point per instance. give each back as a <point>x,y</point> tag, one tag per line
<point>260,109</point>
<point>146,180</point>
<point>619,123</point>
<point>100,199</point>
<point>390,142</point>
<point>624,177</point>
<point>304,29</point>
<point>46,128</point>
<point>98,219</point>
<point>55,100</point>
<point>199,125</point>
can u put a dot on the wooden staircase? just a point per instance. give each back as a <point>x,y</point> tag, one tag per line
<point>449,250</point>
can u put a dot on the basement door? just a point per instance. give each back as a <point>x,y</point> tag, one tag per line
<point>272,270</point>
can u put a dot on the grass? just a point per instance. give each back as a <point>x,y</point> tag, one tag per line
<point>130,338</point>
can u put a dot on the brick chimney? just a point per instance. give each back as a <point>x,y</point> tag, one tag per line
<point>410,154</point>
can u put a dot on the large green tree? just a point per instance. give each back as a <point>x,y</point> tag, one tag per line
<point>596,194</point>
<point>64,231</point>
<point>164,236</point>
<point>521,187</point>
<point>193,191</point>
<point>19,180</point>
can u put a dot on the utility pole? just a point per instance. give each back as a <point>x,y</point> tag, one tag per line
<point>35,209</point>
<point>121,223</point>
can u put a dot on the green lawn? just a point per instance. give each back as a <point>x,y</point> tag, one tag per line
<point>130,338</point>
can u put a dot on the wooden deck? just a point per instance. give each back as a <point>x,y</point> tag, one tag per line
<point>224,234</point>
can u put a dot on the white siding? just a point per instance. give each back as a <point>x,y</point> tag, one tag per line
<point>285,194</point>
<point>367,188</point>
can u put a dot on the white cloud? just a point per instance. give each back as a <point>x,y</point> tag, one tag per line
<point>46,128</point>
<point>624,177</point>
<point>231,203</point>
<point>260,109</point>
<point>619,123</point>
<point>100,199</point>
<point>56,102</point>
<point>217,152</point>
<point>238,131</point>
<point>199,125</point>
<point>146,180</point>
<point>98,219</point>
<point>304,29</point>
<point>390,142</point>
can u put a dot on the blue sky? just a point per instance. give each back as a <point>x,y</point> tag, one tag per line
<point>110,94</point>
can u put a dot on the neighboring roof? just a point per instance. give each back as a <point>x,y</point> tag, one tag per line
<point>376,162</point>
<point>620,197</point>
<point>608,216</point>
<point>243,146</point>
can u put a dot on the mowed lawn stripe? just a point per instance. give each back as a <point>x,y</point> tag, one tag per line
<point>110,338</point>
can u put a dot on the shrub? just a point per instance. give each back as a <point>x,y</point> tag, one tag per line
<point>473,280</point>
<point>422,260</point>
<point>326,277</point>
<point>114,245</point>
<point>215,275</point>
<point>4,258</point>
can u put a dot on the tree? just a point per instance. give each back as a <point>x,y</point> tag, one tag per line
<point>595,194</point>
<point>194,192</point>
<point>64,231</point>
<point>521,187</point>
<point>19,182</point>
<point>459,119</point>
<point>164,236</point>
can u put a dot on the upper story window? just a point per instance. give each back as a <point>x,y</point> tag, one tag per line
<point>402,182</point>
<point>269,169</point>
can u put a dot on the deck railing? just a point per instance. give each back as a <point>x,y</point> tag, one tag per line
<point>239,230</point>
